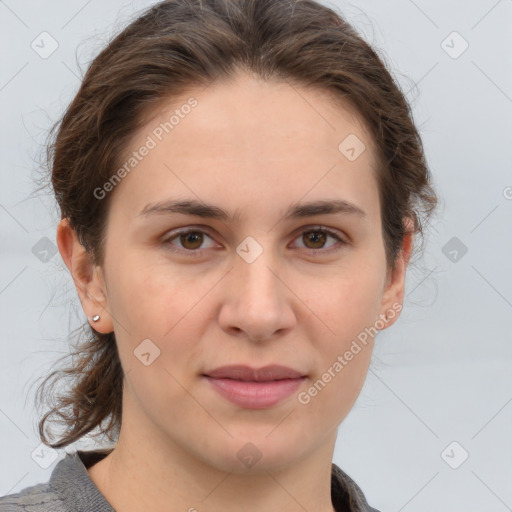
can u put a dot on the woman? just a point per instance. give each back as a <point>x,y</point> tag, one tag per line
<point>240,184</point>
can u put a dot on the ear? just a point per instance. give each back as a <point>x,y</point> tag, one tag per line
<point>393,296</point>
<point>88,278</point>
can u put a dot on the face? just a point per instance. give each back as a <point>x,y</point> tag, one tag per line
<point>188,291</point>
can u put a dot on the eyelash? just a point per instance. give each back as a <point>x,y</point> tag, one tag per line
<point>198,252</point>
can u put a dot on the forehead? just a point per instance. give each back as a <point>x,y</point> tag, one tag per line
<point>237,115</point>
<point>248,138</point>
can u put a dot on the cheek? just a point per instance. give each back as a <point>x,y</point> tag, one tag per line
<point>142,293</point>
<point>155,302</point>
<point>333,393</point>
<point>349,309</point>
<point>347,302</point>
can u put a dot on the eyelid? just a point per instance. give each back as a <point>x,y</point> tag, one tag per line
<point>175,233</point>
<point>338,235</point>
<point>319,227</point>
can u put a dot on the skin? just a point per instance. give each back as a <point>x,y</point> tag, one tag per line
<point>256,147</point>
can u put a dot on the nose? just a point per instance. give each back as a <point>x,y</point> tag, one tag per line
<point>257,303</point>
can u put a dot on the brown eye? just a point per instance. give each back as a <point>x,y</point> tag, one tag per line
<point>317,239</point>
<point>191,240</point>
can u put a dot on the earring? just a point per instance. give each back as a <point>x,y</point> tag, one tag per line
<point>95,318</point>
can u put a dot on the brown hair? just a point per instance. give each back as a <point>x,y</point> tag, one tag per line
<point>179,44</point>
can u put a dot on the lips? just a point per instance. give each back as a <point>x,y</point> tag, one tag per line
<point>252,388</point>
<point>248,374</point>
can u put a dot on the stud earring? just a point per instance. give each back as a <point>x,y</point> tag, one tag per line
<point>95,318</point>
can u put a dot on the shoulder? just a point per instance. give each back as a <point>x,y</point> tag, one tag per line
<point>36,498</point>
<point>69,489</point>
<point>346,494</point>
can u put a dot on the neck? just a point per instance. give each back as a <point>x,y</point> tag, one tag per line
<point>148,475</point>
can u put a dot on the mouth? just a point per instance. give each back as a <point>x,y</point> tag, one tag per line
<point>253,388</point>
<point>247,373</point>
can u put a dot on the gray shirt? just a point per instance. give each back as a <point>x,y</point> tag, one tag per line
<point>71,489</point>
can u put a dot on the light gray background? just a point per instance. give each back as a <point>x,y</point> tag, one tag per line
<point>442,374</point>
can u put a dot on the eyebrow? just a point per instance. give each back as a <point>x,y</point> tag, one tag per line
<point>296,210</point>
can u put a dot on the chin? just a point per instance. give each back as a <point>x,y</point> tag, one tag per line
<point>254,454</point>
